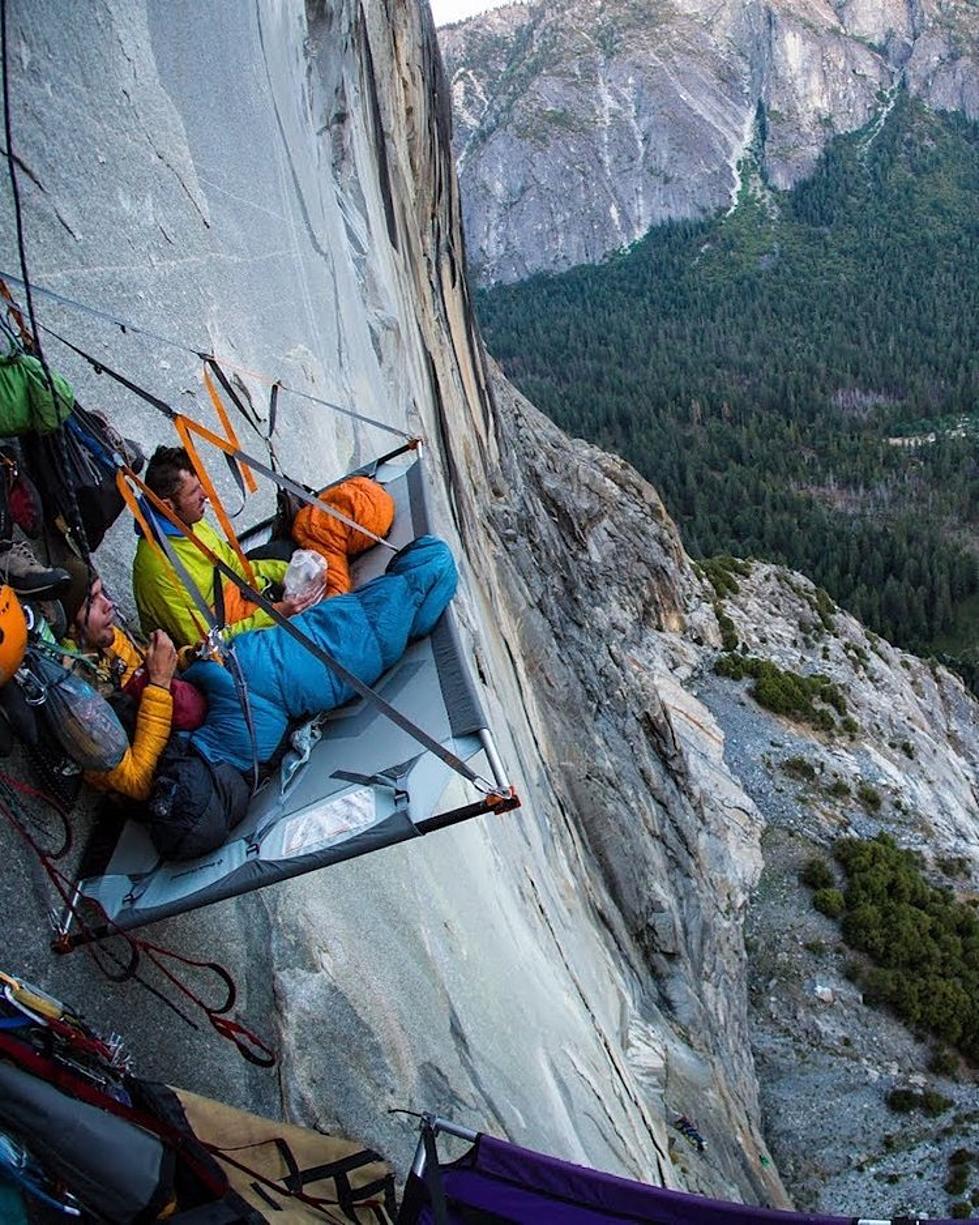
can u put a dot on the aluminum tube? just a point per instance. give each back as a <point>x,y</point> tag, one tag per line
<point>493,757</point>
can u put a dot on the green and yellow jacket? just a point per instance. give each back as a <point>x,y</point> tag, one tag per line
<point>163,602</point>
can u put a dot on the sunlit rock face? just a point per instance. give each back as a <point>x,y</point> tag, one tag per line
<point>579,126</point>
<point>277,186</point>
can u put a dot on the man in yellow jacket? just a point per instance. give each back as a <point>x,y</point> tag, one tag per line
<point>116,657</point>
<point>161,598</point>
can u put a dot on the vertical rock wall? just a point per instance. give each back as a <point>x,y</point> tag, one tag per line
<point>274,183</point>
<point>580,126</point>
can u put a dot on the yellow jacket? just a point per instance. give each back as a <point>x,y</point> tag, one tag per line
<point>133,776</point>
<point>164,604</point>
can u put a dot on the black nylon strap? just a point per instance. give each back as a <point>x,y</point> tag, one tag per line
<point>231,661</point>
<point>250,416</point>
<point>332,1169</point>
<point>370,1189</point>
<point>453,761</point>
<point>432,1174</point>
<point>368,780</point>
<point>234,667</point>
<point>236,475</point>
<point>101,368</point>
<point>273,408</point>
<point>236,453</point>
<point>248,413</point>
<point>191,587</point>
<point>127,326</point>
<point>215,620</point>
<point>263,1194</point>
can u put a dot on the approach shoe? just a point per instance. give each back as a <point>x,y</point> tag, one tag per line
<point>28,577</point>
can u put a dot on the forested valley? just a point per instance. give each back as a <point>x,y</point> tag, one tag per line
<point>798,377</point>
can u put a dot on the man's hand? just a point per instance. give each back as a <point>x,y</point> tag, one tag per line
<point>161,659</point>
<point>291,606</point>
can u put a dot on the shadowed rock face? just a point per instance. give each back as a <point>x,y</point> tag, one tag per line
<point>579,126</point>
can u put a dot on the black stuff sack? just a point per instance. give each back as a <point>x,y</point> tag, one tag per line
<point>79,718</point>
<point>194,804</point>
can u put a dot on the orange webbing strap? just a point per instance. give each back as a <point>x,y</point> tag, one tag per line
<point>185,426</point>
<point>250,483</point>
<point>278,478</point>
<point>234,452</point>
<point>13,310</point>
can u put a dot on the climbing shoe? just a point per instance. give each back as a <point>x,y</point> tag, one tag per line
<point>28,577</point>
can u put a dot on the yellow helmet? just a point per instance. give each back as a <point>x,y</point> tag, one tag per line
<point>13,634</point>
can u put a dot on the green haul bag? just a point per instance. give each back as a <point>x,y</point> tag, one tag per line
<point>26,402</point>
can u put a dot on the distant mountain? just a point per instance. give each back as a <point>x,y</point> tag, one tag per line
<point>579,125</point>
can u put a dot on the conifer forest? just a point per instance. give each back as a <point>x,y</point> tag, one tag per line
<point>797,376</point>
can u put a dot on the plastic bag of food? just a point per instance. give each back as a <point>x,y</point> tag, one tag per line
<point>84,723</point>
<point>307,572</point>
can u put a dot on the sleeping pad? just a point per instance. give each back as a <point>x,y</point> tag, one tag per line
<point>366,630</point>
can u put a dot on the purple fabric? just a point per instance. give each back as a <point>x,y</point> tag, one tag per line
<point>527,1188</point>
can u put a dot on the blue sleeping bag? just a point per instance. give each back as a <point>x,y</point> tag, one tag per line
<point>367,631</point>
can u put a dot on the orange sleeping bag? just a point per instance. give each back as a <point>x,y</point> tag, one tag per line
<point>360,499</point>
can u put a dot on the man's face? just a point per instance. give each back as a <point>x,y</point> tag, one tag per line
<point>189,499</point>
<point>94,620</point>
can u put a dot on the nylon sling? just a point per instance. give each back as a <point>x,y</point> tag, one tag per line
<point>235,452</point>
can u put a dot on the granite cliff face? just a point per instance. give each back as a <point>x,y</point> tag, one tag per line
<point>281,190</point>
<point>579,126</point>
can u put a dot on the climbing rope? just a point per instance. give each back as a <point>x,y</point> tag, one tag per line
<point>126,327</point>
<point>249,1045</point>
<point>77,526</point>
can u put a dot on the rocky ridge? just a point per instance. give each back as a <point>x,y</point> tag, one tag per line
<point>825,1059</point>
<point>580,126</point>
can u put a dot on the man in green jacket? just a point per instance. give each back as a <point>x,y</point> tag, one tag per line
<point>161,598</point>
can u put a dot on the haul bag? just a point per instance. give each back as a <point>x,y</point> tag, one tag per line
<point>26,402</point>
<point>118,1171</point>
<point>79,718</point>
